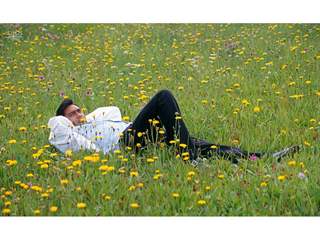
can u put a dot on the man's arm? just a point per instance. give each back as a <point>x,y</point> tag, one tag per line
<point>105,113</point>
<point>63,137</point>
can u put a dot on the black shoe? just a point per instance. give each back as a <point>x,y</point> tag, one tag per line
<point>285,152</point>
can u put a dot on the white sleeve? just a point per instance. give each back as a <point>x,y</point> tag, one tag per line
<point>63,137</point>
<point>105,113</point>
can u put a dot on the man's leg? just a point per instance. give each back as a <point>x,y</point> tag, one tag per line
<point>208,150</point>
<point>164,108</point>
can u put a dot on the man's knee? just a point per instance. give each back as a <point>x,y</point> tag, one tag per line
<point>164,92</point>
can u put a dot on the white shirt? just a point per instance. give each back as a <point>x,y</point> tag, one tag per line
<point>100,132</point>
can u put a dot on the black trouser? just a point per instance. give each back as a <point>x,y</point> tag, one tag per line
<point>162,111</point>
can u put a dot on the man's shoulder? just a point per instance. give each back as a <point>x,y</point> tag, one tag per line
<point>59,120</point>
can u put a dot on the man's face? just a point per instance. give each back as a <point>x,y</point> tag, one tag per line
<point>74,114</point>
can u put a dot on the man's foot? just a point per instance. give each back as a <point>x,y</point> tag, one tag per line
<point>285,152</point>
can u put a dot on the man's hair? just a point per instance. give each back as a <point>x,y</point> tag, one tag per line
<point>65,103</point>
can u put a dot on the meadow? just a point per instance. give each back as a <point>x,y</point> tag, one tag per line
<point>254,86</point>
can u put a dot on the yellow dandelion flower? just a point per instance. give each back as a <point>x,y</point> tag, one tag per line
<point>245,102</point>
<point>175,195</point>
<point>182,145</point>
<point>306,143</point>
<point>139,134</point>
<point>126,118</point>
<point>235,141</point>
<point>185,154</point>
<point>293,48</point>
<point>11,162</point>
<point>132,188</point>
<point>36,188</point>
<point>44,166</point>
<point>7,203</point>
<point>68,153</point>
<point>296,96</point>
<point>134,173</point>
<point>7,193</point>
<point>106,168</point>
<point>128,148</point>
<point>140,185</point>
<point>12,141</point>
<point>22,129</point>
<point>157,176</point>
<point>107,197</point>
<point>155,122</point>
<point>45,195</point>
<point>281,178</point>
<point>221,176</point>
<point>161,132</point>
<point>53,209</point>
<point>81,205</point>
<point>6,211</point>
<point>201,202</point>
<point>53,154</point>
<point>29,175</point>
<point>36,212</point>
<point>92,158</point>
<point>257,109</point>
<point>64,181</point>
<point>117,151</point>
<point>263,184</point>
<point>150,160</point>
<point>292,163</point>
<point>76,163</point>
<point>24,186</point>
<point>214,147</point>
<point>134,205</point>
<point>186,158</point>
<point>191,173</point>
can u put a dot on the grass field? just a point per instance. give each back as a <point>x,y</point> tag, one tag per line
<point>252,86</point>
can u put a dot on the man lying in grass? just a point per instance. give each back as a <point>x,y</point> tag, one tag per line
<point>104,130</point>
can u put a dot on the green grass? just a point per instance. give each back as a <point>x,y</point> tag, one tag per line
<point>211,69</point>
